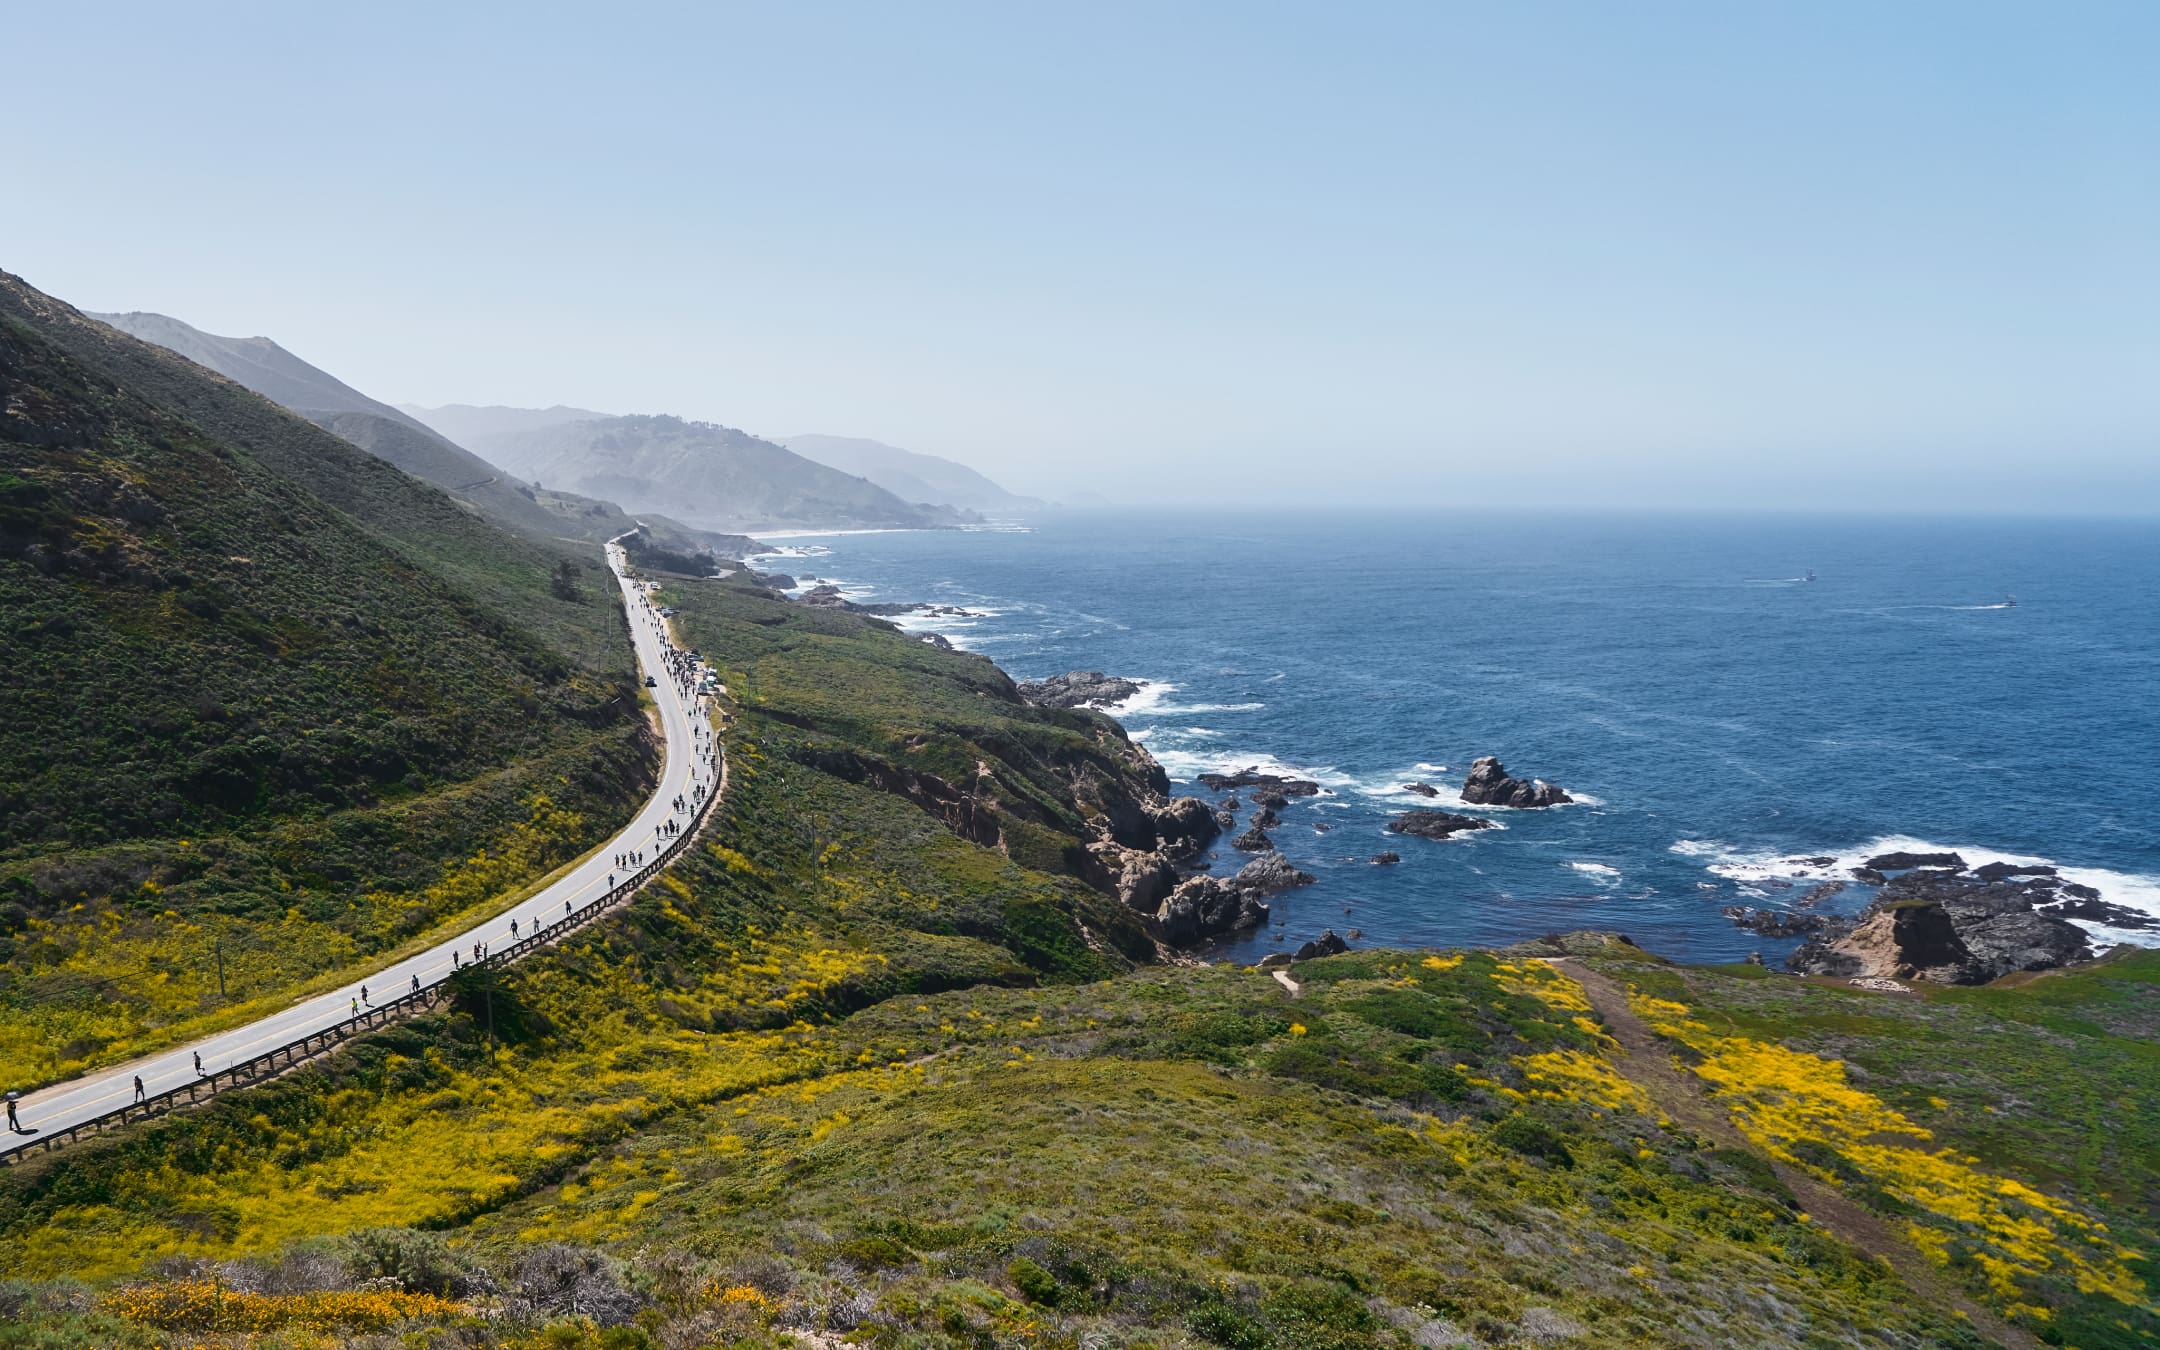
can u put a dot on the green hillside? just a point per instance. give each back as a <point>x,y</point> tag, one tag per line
<point>266,698</point>
<point>387,433</point>
<point>861,1071</point>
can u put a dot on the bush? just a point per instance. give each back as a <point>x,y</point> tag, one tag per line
<point>421,1263</point>
<point>1533,1138</point>
<point>1039,1285</point>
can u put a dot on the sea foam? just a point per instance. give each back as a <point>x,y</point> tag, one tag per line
<point>1745,867</point>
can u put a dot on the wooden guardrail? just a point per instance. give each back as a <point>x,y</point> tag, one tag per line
<point>315,1044</point>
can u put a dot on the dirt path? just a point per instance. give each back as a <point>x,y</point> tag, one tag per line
<point>1647,1061</point>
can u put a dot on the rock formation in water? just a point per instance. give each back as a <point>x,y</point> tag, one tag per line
<point>1079,689</point>
<point>1435,824</point>
<point>1941,924</point>
<point>1489,785</point>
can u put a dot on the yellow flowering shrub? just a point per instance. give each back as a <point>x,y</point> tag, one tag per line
<point>1541,982</point>
<point>1795,1105</point>
<point>1571,1075</point>
<point>201,1305</point>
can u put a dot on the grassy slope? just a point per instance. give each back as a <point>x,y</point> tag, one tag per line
<point>239,716</point>
<point>1996,1125</point>
<point>850,1072</point>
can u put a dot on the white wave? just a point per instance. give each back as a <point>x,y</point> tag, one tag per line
<point>2131,890</point>
<point>1595,869</point>
<point>1193,709</point>
<point>1144,702</point>
<point>1187,765</point>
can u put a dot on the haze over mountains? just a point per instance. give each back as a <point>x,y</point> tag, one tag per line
<point>715,476</point>
<point>911,474</point>
<point>259,364</point>
<point>907,474</point>
<point>470,425</point>
<point>576,473</point>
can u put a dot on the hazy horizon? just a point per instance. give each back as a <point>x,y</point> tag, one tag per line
<point>1674,258</point>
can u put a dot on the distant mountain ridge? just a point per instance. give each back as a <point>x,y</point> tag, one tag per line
<point>715,476</point>
<point>261,365</point>
<point>910,474</point>
<point>468,423</point>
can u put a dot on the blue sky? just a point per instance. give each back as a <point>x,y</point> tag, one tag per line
<point>1715,255</point>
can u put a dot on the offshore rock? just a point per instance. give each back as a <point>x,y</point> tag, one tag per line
<point>1295,787</point>
<point>1489,785</point>
<point>1270,874</point>
<point>1900,862</point>
<point>1254,840</point>
<point>1422,789</point>
<point>1386,859</point>
<point>1435,824</point>
<point>1327,944</point>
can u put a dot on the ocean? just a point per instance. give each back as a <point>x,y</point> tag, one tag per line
<point>1718,715</point>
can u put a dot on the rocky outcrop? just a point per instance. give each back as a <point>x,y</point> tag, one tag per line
<point>1265,818</point>
<point>1294,787</point>
<point>1079,689</point>
<point>1327,944</point>
<point>1205,907</point>
<point>1775,922</point>
<point>1435,824</point>
<point>1489,785</point>
<point>1386,859</point>
<point>1421,789</point>
<point>1183,824</point>
<point>1902,862</point>
<point>1270,874</point>
<point>1936,923</point>
<point>1143,879</point>
<point>1254,840</point>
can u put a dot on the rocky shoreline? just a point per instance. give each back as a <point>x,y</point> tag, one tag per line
<point>1937,920</point>
<point>1933,917</point>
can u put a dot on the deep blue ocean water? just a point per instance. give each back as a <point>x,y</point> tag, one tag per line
<point>1717,715</point>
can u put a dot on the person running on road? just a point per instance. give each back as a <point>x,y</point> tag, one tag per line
<point>363,995</point>
<point>198,1064</point>
<point>416,984</point>
<point>14,1125</point>
<point>356,1007</point>
<point>566,904</point>
<point>513,928</point>
<point>140,1095</point>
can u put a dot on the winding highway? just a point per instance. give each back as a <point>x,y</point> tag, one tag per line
<point>689,771</point>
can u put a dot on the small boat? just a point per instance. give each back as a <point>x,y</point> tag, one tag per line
<point>2009,602</point>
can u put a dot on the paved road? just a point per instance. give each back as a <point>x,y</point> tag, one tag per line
<point>689,771</point>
